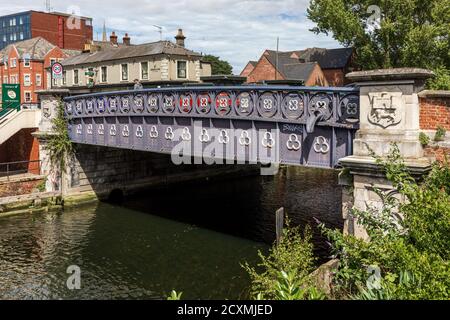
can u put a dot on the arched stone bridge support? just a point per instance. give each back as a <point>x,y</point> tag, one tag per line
<point>389,112</point>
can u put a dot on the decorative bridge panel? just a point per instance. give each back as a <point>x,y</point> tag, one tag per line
<point>281,124</point>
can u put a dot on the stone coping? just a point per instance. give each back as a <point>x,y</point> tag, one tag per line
<point>53,92</point>
<point>367,165</point>
<point>434,94</point>
<point>390,74</point>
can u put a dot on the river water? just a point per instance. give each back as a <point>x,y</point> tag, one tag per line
<point>190,237</point>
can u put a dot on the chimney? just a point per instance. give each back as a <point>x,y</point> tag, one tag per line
<point>113,38</point>
<point>180,38</point>
<point>126,39</point>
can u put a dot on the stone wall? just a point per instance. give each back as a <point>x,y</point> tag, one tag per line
<point>102,169</point>
<point>434,113</point>
<point>19,186</point>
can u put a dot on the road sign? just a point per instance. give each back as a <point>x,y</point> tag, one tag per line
<point>10,95</point>
<point>57,70</point>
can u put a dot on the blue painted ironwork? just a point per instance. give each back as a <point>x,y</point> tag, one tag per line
<point>312,126</point>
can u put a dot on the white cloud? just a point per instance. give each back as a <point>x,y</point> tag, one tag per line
<point>235,30</point>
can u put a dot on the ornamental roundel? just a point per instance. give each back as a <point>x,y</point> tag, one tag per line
<point>125,104</point>
<point>293,106</point>
<point>69,108</point>
<point>101,105</point>
<point>90,105</point>
<point>349,108</point>
<point>79,106</point>
<point>267,105</point>
<point>203,103</point>
<point>223,104</point>
<point>153,103</point>
<point>113,103</point>
<point>321,105</point>
<point>244,104</point>
<point>168,103</point>
<point>185,103</point>
<point>138,103</point>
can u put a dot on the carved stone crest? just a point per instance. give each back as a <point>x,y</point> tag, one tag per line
<point>385,108</point>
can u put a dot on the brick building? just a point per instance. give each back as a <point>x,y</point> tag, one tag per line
<point>62,30</point>
<point>26,63</point>
<point>314,66</point>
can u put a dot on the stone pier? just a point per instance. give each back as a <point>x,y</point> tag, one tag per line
<point>389,112</point>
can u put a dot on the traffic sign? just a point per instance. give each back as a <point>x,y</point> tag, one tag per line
<point>57,70</point>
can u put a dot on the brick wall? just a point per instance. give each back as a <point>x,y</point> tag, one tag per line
<point>247,70</point>
<point>17,188</point>
<point>434,112</point>
<point>21,147</point>
<point>335,77</point>
<point>317,78</point>
<point>264,70</point>
<point>54,29</point>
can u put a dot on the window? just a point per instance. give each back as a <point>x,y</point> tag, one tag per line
<point>4,38</point>
<point>64,79</point>
<point>5,79</point>
<point>144,70</point>
<point>13,63</point>
<point>75,77</point>
<point>21,20</point>
<point>26,62</point>
<point>38,79</point>
<point>21,36</point>
<point>52,61</point>
<point>27,96</point>
<point>124,72</point>
<point>104,74</point>
<point>12,22</point>
<point>181,69</point>
<point>27,80</point>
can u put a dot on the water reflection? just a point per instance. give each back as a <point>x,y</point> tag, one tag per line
<point>191,238</point>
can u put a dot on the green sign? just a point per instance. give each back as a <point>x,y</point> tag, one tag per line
<point>10,96</point>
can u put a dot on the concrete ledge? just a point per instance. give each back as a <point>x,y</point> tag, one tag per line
<point>390,74</point>
<point>434,94</point>
<point>58,92</point>
<point>29,203</point>
<point>367,166</point>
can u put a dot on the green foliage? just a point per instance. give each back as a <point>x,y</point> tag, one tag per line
<point>410,33</point>
<point>441,81</point>
<point>59,146</point>
<point>285,271</point>
<point>408,239</point>
<point>290,287</point>
<point>424,139</point>
<point>440,134</point>
<point>174,295</point>
<point>41,186</point>
<point>218,66</point>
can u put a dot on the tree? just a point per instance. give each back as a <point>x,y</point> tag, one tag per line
<point>218,66</point>
<point>389,33</point>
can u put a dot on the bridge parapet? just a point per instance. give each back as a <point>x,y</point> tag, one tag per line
<point>282,124</point>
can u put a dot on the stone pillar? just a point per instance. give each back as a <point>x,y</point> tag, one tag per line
<point>49,100</point>
<point>389,112</point>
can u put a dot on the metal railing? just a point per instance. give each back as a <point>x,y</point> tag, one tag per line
<point>8,169</point>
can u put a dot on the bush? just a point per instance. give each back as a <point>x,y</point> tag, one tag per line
<point>440,134</point>
<point>409,240</point>
<point>424,139</point>
<point>441,81</point>
<point>285,271</point>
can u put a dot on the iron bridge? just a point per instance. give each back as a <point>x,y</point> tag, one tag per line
<point>309,126</point>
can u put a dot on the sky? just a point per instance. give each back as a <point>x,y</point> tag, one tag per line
<point>235,30</point>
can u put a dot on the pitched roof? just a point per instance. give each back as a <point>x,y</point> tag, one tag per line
<point>326,58</point>
<point>71,53</point>
<point>125,52</point>
<point>297,71</point>
<point>37,48</point>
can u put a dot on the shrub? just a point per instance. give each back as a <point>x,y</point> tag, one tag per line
<point>440,134</point>
<point>408,240</point>
<point>285,271</point>
<point>424,139</point>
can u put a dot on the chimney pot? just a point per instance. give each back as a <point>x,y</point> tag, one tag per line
<point>113,38</point>
<point>180,38</point>
<point>126,39</point>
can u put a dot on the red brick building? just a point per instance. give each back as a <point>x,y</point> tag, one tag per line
<point>314,66</point>
<point>26,63</point>
<point>60,29</point>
